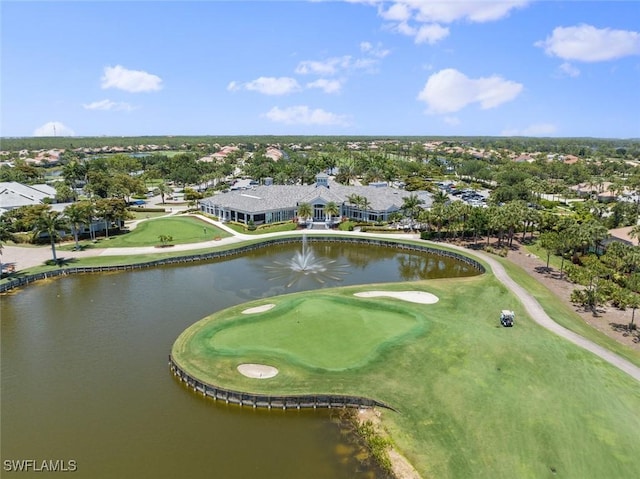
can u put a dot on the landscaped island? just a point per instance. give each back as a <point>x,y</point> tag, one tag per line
<point>471,399</point>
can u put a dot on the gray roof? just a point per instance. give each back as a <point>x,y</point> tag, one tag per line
<point>14,194</point>
<point>281,197</point>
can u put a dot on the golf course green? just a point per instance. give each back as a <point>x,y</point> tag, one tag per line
<point>473,399</point>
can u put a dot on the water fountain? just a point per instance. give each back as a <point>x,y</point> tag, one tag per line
<point>305,263</point>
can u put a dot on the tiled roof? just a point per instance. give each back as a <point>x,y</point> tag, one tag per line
<point>279,197</point>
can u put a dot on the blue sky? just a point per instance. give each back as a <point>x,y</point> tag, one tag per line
<point>405,67</point>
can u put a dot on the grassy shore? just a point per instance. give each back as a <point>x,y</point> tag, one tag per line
<point>474,399</point>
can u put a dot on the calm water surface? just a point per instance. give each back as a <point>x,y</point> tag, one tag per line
<point>85,376</point>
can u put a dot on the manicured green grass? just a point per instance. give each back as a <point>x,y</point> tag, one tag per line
<point>564,316</point>
<point>141,215</point>
<point>474,399</point>
<point>183,229</point>
<point>328,333</point>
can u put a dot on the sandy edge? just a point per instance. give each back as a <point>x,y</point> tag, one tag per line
<point>259,309</point>
<point>257,371</point>
<point>411,296</point>
<point>401,467</point>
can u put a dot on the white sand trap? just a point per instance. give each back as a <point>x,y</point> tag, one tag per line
<point>259,309</point>
<point>411,296</point>
<point>257,371</point>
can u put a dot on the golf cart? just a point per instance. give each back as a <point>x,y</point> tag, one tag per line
<point>507,317</point>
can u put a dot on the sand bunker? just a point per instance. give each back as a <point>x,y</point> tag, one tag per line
<point>258,309</point>
<point>411,296</point>
<point>257,371</point>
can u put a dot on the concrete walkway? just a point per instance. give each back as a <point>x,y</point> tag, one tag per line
<point>29,257</point>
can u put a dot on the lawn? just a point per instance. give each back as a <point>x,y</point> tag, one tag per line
<point>474,399</point>
<point>275,228</point>
<point>183,229</point>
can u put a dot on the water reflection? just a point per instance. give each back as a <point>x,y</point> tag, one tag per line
<point>83,371</point>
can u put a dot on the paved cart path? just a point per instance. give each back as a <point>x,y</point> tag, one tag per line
<point>543,319</point>
<point>28,257</point>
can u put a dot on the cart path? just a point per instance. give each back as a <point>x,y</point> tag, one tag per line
<point>29,257</point>
<point>543,319</point>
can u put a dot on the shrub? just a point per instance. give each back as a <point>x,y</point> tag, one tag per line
<point>426,235</point>
<point>347,226</point>
<point>146,210</point>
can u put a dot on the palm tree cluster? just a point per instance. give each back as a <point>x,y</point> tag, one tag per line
<point>41,222</point>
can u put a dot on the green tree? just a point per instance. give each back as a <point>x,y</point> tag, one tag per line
<point>305,211</point>
<point>410,206</point>
<point>164,189</point>
<point>549,242</point>
<point>331,209</point>
<point>365,205</point>
<point>5,235</point>
<point>50,223</point>
<point>78,214</point>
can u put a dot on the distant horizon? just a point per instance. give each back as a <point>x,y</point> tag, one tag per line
<point>514,69</point>
<point>346,136</point>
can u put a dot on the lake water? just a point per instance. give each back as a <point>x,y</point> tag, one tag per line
<point>85,375</point>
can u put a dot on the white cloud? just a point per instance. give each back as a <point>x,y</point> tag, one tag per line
<point>568,70</point>
<point>268,85</point>
<point>273,86</point>
<point>587,43</point>
<point>53,128</point>
<point>454,10</point>
<point>328,86</point>
<point>108,105</point>
<point>303,115</point>
<point>376,51</point>
<point>134,81</point>
<point>429,16</point>
<point>431,34</point>
<point>344,64</point>
<point>330,66</point>
<point>449,90</point>
<point>398,12</point>
<point>539,129</point>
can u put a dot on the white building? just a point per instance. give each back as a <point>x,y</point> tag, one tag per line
<point>274,203</point>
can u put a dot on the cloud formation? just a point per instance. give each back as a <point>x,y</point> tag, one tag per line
<point>423,20</point>
<point>133,81</point>
<point>328,86</point>
<point>53,128</point>
<point>303,115</point>
<point>449,90</point>
<point>587,43</point>
<point>268,85</point>
<point>568,70</point>
<point>107,105</point>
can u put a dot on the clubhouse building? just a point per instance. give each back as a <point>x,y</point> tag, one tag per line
<point>269,203</point>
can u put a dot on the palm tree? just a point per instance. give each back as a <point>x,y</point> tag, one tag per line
<point>76,214</point>
<point>477,221</point>
<point>353,200</point>
<point>365,204</point>
<point>331,209</point>
<point>50,222</point>
<point>410,205</point>
<point>305,211</point>
<point>440,197</point>
<point>4,236</point>
<point>549,242</point>
<point>164,189</point>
